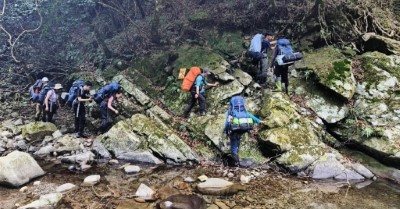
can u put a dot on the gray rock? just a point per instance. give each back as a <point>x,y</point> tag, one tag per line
<point>145,157</point>
<point>47,150</point>
<point>214,186</point>
<point>362,170</point>
<point>99,149</point>
<point>331,113</point>
<point>68,143</point>
<point>131,169</point>
<point>65,187</point>
<point>244,78</point>
<point>22,145</point>
<point>225,77</point>
<point>37,130</point>
<point>19,122</point>
<point>91,180</point>
<point>6,134</point>
<point>14,114</point>
<point>324,169</point>
<point>18,168</point>
<point>364,184</point>
<point>57,134</point>
<point>79,158</point>
<point>349,175</point>
<point>131,89</point>
<point>48,201</point>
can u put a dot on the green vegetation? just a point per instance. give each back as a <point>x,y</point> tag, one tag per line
<point>199,16</point>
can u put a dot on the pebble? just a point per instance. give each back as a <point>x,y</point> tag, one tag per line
<point>131,169</point>
<point>244,179</point>
<point>23,189</point>
<point>65,187</point>
<point>189,180</point>
<point>230,175</point>
<point>202,178</point>
<point>36,183</point>
<point>91,180</point>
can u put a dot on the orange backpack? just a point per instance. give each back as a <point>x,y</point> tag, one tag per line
<point>190,78</point>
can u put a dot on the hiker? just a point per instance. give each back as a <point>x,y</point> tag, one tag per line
<point>197,92</point>
<point>34,92</point>
<point>51,103</point>
<point>105,108</point>
<point>259,46</point>
<point>83,96</point>
<point>238,121</point>
<point>282,57</point>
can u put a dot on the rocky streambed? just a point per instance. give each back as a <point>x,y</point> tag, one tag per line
<point>251,188</point>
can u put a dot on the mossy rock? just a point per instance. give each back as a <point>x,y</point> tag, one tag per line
<point>199,16</point>
<point>190,56</point>
<point>152,67</point>
<point>382,44</point>
<point>226,43</point>
<point>174,98</point>
<point>37,130</point>
<point>218,96</point>
<point>279,111</point>
<point>300,157</point>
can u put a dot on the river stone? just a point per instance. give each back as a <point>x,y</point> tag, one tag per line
<point>6,134</point>
<point>214,186</point>
<point>140,134</point>
<point>79,158</point>
<point>47,150</point>
<point>131,89</point>
<point>91,180</point>
<point>144,192</point>
<point>57,134</point>
<point>349,175</point>
<point>9,125</point>
<point>18,122</point>
<point>68,143</point>
<point>65,187</point>
<point>300,157</point>
<point>37,130</point>
<point>100,149</point>
<point>244,78</point>
<point>131,169</point>
<point>18,168</point>
<point>144,157</point>
<point>326,168</point>
<point>183,201</point>
<point>47,201</point>
<point>362,170</point>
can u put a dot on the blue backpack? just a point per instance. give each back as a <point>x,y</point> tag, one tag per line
<point>34,90</point>
<point>240,121</point>
<point>106,92</point>
<point>73,91</point>
<point>286,55</point>
<point>43,92</point>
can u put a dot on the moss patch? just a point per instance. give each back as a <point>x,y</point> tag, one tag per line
<point>226,43</point>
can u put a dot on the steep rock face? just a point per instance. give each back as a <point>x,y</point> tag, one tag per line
<point>377,109</point>
<point>296,140</point>
<point>140,138</point>
<point>333,70</point>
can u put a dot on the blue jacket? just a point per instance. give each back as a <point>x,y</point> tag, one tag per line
<point>256,120</point>
<point>200,82</point>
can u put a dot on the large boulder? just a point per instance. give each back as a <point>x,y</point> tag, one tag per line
<point>373,127</point>
<point>374,42</point>
<point>296,140</point>
<point>332,69</point>
<point>140,134</point>
<point>38,130</point>
<point>18,168</point>
<point>132,90</point>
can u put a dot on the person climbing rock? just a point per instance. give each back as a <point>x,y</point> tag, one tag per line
<point>51,103</point>
<point>198,92</point>
<point>105,108</point>
<point>34,91</point>
<point>83,96</point>
<point>259,46</point>
<point>238,121</point>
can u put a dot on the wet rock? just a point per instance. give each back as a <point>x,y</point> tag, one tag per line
<point>131,169</point>
<point>91,180</point>
<point>183,201</point>
<point>216,186</point>
<point>79,158</point>
<point>100,150</point>
<point>37,130</point>
<point>362,170</point>
<point>143,156</point>
<point>47,201</point>
<point>18,168</point>
<point>145,192</point>
<point>349,175</point>
<point>65,187</point>
<point>326,168</point>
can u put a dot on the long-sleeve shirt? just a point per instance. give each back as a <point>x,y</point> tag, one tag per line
<point>255,119</point>
<point>259,44</point>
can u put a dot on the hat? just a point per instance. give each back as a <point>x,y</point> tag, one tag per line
<point>206,70</point>
<point>45,79</point>
<point>58,86</point>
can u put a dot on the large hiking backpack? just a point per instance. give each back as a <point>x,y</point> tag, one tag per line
<point>240,121</point>
<point>190,78</point>
<point>286,56</point>
<point>73,91</point>
<point>43,92</point>
<point>34,90</point>
<point>106,92</point>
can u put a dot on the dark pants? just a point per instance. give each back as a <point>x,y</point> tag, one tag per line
<point>192,102</point>
<point>261,60</point>
<point>235,144</point>
<point>48,115</point>
<point>282,72</point>
<point>80,114</point>
<point>104,117</point>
